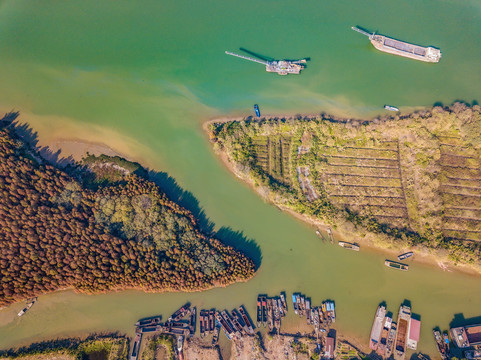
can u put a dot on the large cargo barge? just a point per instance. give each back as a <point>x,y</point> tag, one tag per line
<point>377,327</point>
<point>402,48</point>
<point>403,324</point>
<point>382,346</point>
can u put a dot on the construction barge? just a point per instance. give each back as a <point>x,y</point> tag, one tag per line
<point>401,48</point>
<point>282,67</point>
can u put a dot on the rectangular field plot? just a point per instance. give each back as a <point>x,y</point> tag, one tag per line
<point>390,211</point>
<point>348,201</point>
<point>362,162</point>
<point>463,235</point>
<point>360,152</point>
<point>468,182</point>
<point>361,180</point>
<point>364,190</point>
<point>462,223</point>
<point>451,200</point>
<point>461,190</point>
<point>272,153</point>
<point>376,173</point>
<point>366,180</point>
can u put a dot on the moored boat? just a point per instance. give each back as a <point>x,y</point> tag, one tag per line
<point>215,338</point>
<point>179,314</point>
<point>348,245</point>
<point>381,348</point>
<point>405,255</point>
<point>247,321</point>
<point>396,265</point>
<point>259,311</point>
<point>390,340</point>
<point>391,108</point>
<point>30,303</point>
<point>377,327</point>
<point>403,322</point>
<point>264,311</point>
<point>440,343</point>
<point>446,341</point>
<point>402,48</point>
<point>256,109</point>
<point>201,323</point>
<point>283,303</point>
<point>211,320</point>
<point>149,322</point>
<point>136,346</point>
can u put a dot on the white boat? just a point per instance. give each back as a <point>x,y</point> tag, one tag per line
<point>391,108</point>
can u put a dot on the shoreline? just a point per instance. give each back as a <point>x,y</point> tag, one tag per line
<point>422,255</point>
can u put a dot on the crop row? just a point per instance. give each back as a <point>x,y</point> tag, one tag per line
<point>373,190</point>
<point>360,152</point>
<point>363,180</point>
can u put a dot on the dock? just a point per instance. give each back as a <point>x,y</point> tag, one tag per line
<point>401,48</point>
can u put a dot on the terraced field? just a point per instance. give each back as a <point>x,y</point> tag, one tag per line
<point>365,180</point>
<point>415,180</point>
<point>460,190</point>
<point>272,154</point>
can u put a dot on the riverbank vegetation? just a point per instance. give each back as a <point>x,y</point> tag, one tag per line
<point>396,181</point>
<point>98,227</point>
<point>159,345</point>
<point>95,347</point>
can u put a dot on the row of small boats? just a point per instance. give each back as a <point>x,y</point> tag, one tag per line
<point>175,325</point>
<point>442,343</point>
<point>314,315</point>
<point>236,324</point>
<point>270,311</point>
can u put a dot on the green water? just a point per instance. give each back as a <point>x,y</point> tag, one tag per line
<point>153,70</point>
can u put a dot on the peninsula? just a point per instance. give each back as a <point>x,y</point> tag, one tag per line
<point>397,182</point>
<point>98,226</point>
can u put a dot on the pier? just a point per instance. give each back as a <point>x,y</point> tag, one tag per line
<point>282,67</point>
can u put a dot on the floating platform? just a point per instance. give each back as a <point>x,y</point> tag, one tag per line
<point>402,48</point>
<point>282,67</point>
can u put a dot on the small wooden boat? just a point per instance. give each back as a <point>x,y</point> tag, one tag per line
<point>396,265</point>
<point>405,255</point>
<point>349,246</point>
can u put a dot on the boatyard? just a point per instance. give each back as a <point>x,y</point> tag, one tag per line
<point>388,339</point>
<point>237,324</point>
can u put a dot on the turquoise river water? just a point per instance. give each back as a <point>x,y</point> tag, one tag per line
<point>148,73</point>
